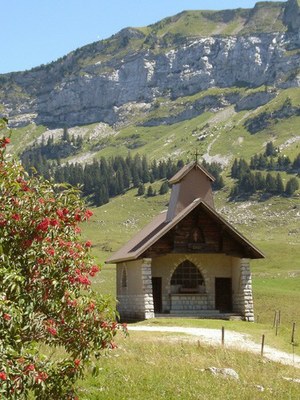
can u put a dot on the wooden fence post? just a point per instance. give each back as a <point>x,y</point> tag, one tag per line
<point>262,345</point>
<point>293,333</point>
<point>223,335</point>
<point>275,318</point>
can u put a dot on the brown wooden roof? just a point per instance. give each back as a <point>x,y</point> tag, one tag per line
<point>141,242</point>
<point>186,169</point>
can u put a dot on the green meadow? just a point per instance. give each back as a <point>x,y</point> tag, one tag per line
<point>156,366</point>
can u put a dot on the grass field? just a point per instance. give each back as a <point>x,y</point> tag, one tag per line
<point>148,366</point>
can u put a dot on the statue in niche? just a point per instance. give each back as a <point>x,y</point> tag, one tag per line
<point>196,238</point>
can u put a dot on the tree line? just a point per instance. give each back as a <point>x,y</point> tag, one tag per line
<point>107,177</point>
<point>250,179</point>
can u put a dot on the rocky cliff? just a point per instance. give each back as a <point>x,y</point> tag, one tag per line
<point>138,66</point>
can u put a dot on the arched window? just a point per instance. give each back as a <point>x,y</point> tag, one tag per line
<point>187,279</point>
<point>124,278</point>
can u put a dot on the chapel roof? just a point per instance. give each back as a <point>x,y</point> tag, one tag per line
<point>159,226</point>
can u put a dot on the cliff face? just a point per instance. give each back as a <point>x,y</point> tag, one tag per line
<point>82,88</point>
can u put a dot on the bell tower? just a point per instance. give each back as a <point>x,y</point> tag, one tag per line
<point>190,183</point>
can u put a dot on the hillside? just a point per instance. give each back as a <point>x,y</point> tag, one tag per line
<point>223,83</point>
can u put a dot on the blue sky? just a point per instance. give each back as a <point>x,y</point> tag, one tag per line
<point>36,32</point>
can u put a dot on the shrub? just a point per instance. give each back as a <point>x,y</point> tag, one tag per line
<point>51,322</point>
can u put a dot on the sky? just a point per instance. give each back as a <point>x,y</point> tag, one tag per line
<point>36,32</point>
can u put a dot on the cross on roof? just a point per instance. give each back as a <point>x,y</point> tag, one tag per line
<point>196,156</point>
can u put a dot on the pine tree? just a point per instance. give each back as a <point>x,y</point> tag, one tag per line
<point>271,185</point>
<point>154,170</point>
<point>291,186</point>
<point>150,191</point>
<point>247,183</point>
<point>260,181</point>
<point>164,188</point>
<point>234,169</point>
<point>296,164</point>
<point>279,184</point>
<point>270,150</point>
<point>141,190</point>
<point>66,136</point>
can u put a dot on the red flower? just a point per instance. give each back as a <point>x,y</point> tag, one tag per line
<point>94,270</point>
<point>84,280</point>
<point>54,222</point>
<point>88,244</point>
<point>52,330</point>
<point>3,222</point>
<point>77,217</point>
<point>16,217</point>
<point>51,251</point>
<point>3,376</point>
<point>41,376</point>
<point>88,214</point>
<point>72,303</point>
<point>77,229</point>
<point>5,141</point>
<point>60,213</point>
<point>43,225</point>
<point>29,367</point>
<point>76,362</point>
<point>7,317</point>
<point>27,243</point>
<point>25,187</point>
<point>91,307</point>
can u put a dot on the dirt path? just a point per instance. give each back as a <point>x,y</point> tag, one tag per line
<point>234,340</point>
<point>221,116</point>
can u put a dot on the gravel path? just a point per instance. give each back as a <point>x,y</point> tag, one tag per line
<point>232,339</point>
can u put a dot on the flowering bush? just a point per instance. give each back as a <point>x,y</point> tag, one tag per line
<point>51,323</point>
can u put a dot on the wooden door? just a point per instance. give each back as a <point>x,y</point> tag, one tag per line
<point>223,294</point>
<point>157,294</point>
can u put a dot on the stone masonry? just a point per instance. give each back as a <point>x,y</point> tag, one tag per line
<point>244,301</point>
<point>147,288</point>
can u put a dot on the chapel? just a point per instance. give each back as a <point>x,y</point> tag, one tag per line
<point>189,261</point>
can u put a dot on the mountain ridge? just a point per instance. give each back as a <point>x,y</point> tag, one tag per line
<point>138,65</point>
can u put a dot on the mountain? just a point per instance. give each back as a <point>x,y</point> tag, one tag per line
<point>224,83</point>
<point>177,57</point>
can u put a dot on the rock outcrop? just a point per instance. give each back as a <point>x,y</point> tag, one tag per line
<point>81,88</point>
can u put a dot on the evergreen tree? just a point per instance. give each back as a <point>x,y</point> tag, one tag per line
<point>101,196</point>
<point>162,168</point>
<point>145,170</point>
<point>254,162</point>
<point>66,136</point>
<point>150,192</point>
<point>171,169</point>
<point>296,164</point>
<point>262,162</point>
<point>154,170</point>
<point>135,178</point>
<point>234,169</point>
<point>270,150</point>
<point>247,183</point>
<point>260,181</point>
<point>279,184</point>
<point>141,190</point>
<point>271,184</point>
<point>271,165</point>
<point>218,183</point>
<point>291,186</point>
<point>164,188</point>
